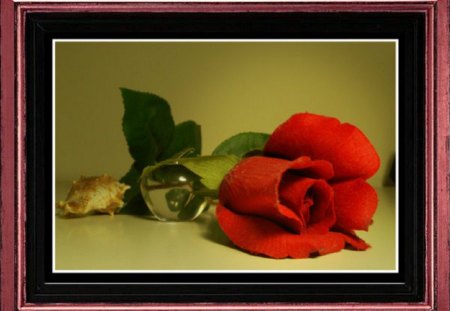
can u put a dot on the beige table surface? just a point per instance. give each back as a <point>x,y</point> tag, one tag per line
<point>124,242</point>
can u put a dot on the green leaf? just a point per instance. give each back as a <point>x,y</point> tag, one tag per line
<point>135,206</point>
<point>147,124</point>
<point>241,144</point>
<point>211,169</point>
<point>134,203</point>
<point>131,179</point>
<point>186,135</point>
<point>185,153</point>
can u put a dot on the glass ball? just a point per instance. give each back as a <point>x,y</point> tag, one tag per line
<point>173,193</point>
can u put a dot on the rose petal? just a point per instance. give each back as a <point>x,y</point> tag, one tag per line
<point>354,242</point>
<point>355,202</point>
<point>317,211</point>
<point>263,237</point>
<point>319,137</point>
<point>251,187</point>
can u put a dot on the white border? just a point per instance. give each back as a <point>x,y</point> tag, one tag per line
<point>54,41</point>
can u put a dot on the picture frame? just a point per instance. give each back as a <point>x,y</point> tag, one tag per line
<point>28,27</point>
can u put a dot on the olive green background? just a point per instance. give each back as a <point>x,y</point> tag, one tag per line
<point>226,87</point>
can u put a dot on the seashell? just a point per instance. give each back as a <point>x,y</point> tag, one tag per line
<point>96,194</point>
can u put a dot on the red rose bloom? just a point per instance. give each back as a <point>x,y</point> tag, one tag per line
<point>306,196</point>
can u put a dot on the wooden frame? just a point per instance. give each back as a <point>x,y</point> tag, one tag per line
<point>13,182</point>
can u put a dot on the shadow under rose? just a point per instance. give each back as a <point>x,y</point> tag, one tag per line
<point>211,229</point>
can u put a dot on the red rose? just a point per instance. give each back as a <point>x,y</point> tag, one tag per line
<point>306,196</point>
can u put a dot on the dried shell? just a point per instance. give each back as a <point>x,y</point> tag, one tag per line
<point>96,194</point>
